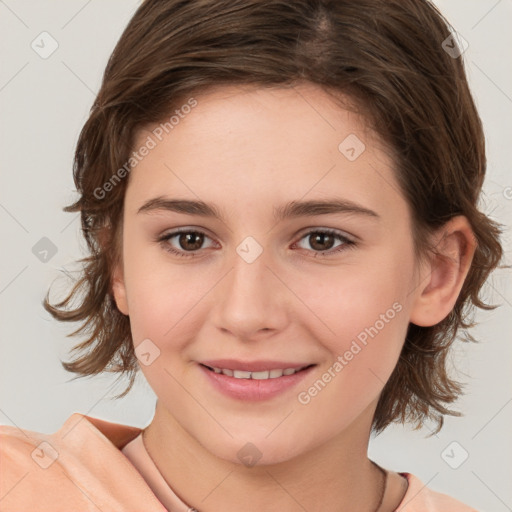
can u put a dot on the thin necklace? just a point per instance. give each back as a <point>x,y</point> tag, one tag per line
<point>382,490</point>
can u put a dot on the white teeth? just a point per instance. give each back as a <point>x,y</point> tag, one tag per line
<point>260,375</point>
<point>263,375</point>
<point>239,374</point>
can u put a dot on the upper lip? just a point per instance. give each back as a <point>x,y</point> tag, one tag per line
<point>252,366</point>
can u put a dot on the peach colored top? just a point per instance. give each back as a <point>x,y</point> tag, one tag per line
<point>91,464</point>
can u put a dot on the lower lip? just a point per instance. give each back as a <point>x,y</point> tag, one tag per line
<point>254,389</point>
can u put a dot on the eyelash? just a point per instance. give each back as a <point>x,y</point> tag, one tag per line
<point>347,243</point>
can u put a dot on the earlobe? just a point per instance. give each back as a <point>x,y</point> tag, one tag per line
<point>442,280</point>
<point>119,290</point>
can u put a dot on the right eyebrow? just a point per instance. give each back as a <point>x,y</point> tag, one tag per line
<point>181,206</point>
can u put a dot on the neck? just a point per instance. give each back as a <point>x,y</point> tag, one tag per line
<point>336,476</point>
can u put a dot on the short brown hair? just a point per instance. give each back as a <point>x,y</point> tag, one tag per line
<point>387,55</point>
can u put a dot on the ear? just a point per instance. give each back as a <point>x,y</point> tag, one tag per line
<point>442,278</point>
<point>119,289</point>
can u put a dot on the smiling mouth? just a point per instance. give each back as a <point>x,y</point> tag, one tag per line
<point>260,375</point>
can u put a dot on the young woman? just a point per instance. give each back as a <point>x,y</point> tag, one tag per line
<point>280,200</point>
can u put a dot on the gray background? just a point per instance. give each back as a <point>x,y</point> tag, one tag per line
<point>44,103</point>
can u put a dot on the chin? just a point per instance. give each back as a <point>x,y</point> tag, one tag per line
<point>254,449</point>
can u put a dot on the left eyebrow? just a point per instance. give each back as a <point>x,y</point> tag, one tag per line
<point>289,210</point>
<point>311,208</point>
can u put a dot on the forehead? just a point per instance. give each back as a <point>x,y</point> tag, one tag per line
<point>253,109</point>
<point>264,145</point>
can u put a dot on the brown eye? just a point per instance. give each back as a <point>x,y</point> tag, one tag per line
<point>182,242</point>
<point>322,242</point>
<point>190,241</point>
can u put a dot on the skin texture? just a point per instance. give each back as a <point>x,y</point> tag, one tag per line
<point>249,151</point>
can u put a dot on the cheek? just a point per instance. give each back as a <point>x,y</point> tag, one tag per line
<point>163,296</point>
<point>369,318</point>
<point>343,302</point>
<point>361,318</point>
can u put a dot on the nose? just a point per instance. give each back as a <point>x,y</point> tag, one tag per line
<point>252,301</point>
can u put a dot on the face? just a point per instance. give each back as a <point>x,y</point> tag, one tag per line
<point>269,283</point>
